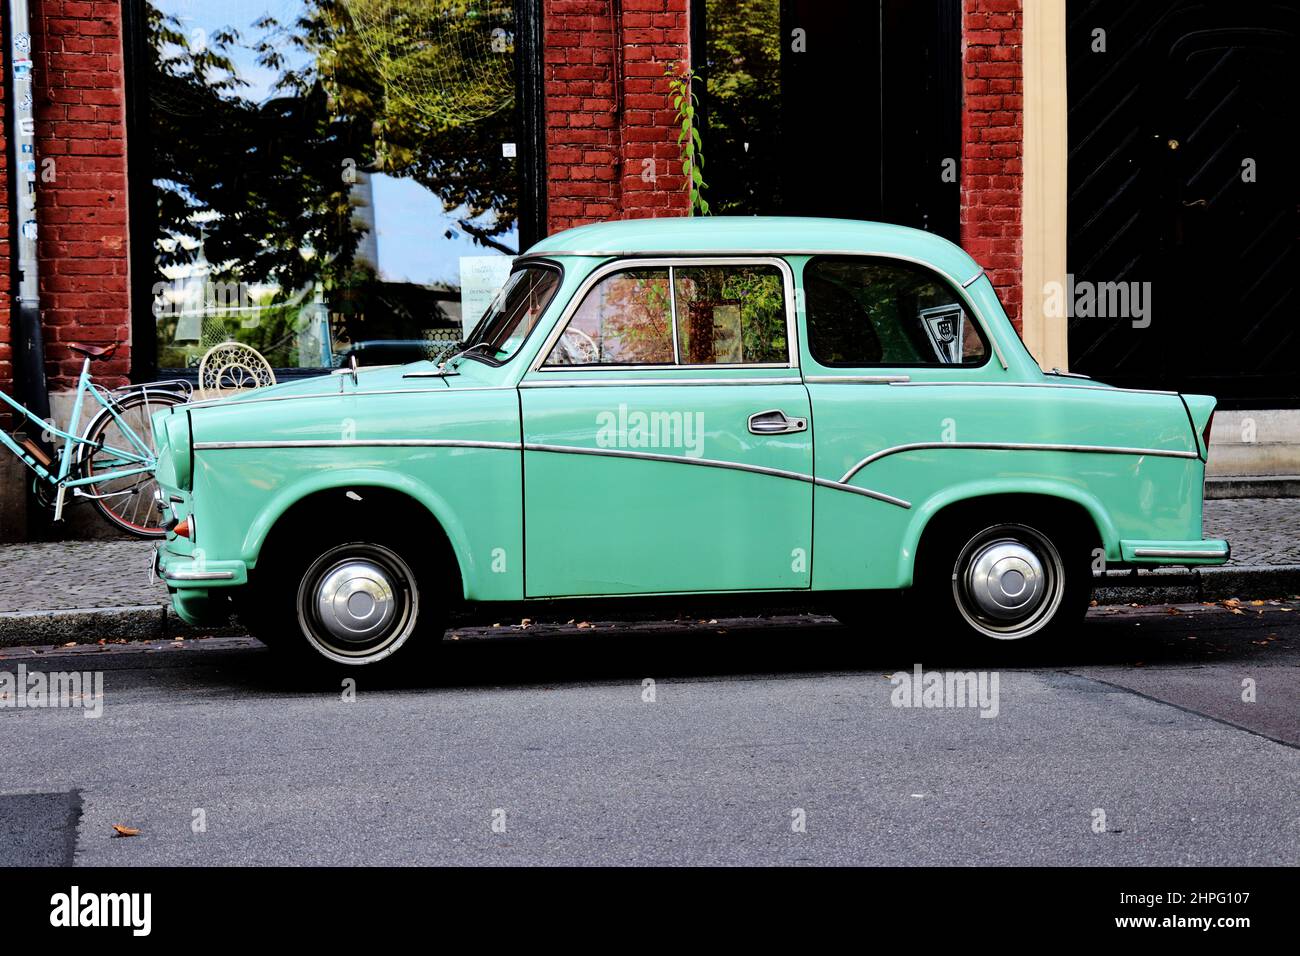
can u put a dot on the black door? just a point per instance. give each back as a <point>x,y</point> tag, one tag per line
<point>1183,175</point>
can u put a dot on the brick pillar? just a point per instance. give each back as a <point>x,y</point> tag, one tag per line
<point>610,133</point>
<point>993,144</point>
<point>81,125</point>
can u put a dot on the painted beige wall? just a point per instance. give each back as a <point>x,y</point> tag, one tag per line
<point>1046,154</point>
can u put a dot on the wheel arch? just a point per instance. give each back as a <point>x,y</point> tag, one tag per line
<point>411,499</point>
<point>952,503</point>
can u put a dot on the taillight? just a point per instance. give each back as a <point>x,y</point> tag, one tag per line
<point>184,529</point>
<point>1205,435</point>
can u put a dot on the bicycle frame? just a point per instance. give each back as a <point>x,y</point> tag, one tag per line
<point>139,461</point>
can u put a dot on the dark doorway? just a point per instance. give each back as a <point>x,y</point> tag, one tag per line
<point>1182,174</point>
<point>846,109</point>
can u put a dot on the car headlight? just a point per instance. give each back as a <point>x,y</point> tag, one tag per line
<point>175,457</point>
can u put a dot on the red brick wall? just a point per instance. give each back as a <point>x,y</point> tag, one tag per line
<point>81,124</point>
<point>993,144</point>
<point>82,245</point>
<point>607,109</point>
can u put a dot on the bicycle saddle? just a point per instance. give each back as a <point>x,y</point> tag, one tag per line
<point>94,351</point>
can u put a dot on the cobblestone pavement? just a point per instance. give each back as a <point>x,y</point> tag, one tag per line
<point>92,574</point>
<point>55,575</point>
<point>1262,531</point>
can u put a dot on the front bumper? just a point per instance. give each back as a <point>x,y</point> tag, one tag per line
<point>199,589</point>
<point>195,571</point>
<point>1209,551</point>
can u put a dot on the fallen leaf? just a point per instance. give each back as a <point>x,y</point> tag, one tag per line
<point>70,644</point>
<point>1256,603</point>
<point>125,831</point>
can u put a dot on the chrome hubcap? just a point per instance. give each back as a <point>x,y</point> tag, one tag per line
<point>355,601</point>
<point>1008,581</point>
<point>1005,580</point>
<point>358,603</point>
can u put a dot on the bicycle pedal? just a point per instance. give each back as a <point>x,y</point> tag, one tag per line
<point>30,446</point>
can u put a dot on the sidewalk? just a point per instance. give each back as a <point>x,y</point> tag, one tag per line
<point>86,591</point>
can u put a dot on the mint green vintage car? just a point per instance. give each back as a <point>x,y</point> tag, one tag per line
<point>686,406</point>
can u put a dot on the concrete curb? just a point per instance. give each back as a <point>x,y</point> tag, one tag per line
<point>1250,486</point>
<point>89,625</point>
<point>1188,586</point>
<point>159,622</point>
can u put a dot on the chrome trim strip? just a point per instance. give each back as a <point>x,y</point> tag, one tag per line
<point>198,575</point>
<point>694,254</point>
<point>358,443</point>
<point>620,382</point>
<point>1014,446</point>
<point>1095,388</point>
<point>715,463</point>
<point>672,314</point>
<point>651,260</point>
<point>272,398</point>
<point>865,492</point>
<point>972,280</point>
<point>857,379</point>
<point>338,394</point>
<point>1177,553</point>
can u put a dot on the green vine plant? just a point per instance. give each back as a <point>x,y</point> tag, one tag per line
<point>685,102</point>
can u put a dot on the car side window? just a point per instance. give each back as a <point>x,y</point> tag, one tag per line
<point>727,314</point>
<point>863,312</point>
<point>730,315</point>
<point>625,320</point>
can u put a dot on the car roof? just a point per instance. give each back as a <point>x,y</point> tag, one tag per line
<point>754,235</point>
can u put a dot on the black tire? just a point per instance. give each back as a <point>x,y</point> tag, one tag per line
<point>1025,580</point>
<point>129,505</point>
<point>387,584</point>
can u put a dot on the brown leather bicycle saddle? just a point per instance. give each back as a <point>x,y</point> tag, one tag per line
<point>94,351</point>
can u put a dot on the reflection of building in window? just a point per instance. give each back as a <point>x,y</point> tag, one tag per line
<point>332,160</point>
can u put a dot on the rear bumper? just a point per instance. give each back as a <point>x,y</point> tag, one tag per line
<point>1208,551</point>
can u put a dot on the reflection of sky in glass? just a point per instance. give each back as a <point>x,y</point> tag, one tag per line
<point>411,225</point>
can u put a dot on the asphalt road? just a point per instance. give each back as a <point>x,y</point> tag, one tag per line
<point>754,726</point>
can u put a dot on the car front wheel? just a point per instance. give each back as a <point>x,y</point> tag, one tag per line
<point>358,603</point>
<point>344,603</point>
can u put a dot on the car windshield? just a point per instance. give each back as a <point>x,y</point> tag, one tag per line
<point>513,313</point>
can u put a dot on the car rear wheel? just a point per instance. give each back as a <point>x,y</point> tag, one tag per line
<point>1009,580</point>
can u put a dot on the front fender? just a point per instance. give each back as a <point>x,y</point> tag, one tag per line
<point>923,513</point>
<point>286,497</point>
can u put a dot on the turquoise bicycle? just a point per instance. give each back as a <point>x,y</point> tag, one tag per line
<point>111,463</point>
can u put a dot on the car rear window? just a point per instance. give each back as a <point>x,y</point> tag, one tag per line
<point>866,311</point>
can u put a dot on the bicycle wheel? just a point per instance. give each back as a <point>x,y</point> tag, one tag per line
<point>127,503</point>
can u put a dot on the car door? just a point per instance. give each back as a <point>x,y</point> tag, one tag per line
<point>667,435</point>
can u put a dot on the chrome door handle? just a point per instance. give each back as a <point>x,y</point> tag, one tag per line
<point>775,422</point>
